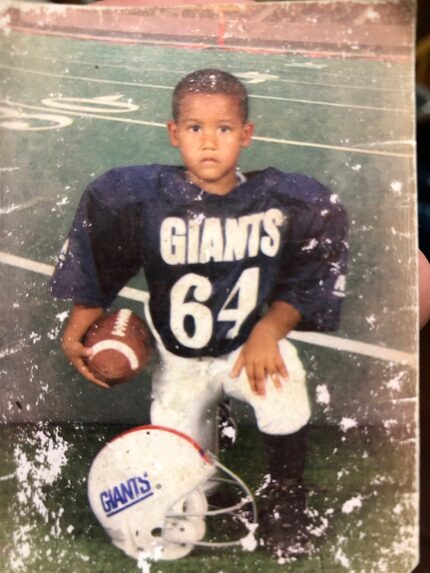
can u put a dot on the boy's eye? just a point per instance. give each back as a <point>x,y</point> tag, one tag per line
<point>194,128</point>
<point>225,128</point>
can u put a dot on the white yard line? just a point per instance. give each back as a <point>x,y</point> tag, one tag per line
<point>347,149</point>
<point>84,78</point>
<point>300,67</point>
<point>252,96</point>
<point>318,339</point>
<point>331,104</point>
<point>340,86</point>
<point>44,269</point>
<point>48,110</point>
<point>359,150</point>
<point>26,264</point>
<point>355,347</point>
<point>7,477</point>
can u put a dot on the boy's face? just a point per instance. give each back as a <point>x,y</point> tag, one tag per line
<point>210,134</point>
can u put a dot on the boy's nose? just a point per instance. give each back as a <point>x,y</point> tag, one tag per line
<point>209,140</point>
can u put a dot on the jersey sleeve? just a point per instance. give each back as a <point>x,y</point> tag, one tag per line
<point>314,262</point>
<point>100,254</point>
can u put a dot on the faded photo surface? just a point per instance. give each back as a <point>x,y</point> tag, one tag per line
<point>240,176</point>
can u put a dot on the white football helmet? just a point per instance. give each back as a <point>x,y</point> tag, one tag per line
<point>146,489</point>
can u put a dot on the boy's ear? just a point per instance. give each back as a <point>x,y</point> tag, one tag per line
<point>172,129</point>
<point>247,133</point>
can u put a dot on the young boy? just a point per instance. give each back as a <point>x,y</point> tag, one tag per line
<point>233,263</point>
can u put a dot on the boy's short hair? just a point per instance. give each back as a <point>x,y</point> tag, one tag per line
<point>210,81</point>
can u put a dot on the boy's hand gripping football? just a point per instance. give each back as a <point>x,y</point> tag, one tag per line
<point>81,318</point>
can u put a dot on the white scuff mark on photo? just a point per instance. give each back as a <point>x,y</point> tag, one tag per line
<point>12,350</point>
<point>229,432</point>
<point>398,509</point>
<point>22,206</point>
<point>249,542</point>
<point>143,561</point>
<point>396,186</point>
<point>396,381</point>
<point>144,565</point>
<point>54,333</point>
<point>347,424</point>
<point>341,558</point>
<point>63,201</point>
<point>35,473</point>
<point>322,394</point>
<point>61,316</point>
<point>310,245</point>
<point>380,480</point>
<point>318,523</point>
<point>369,15</point>
<point>264,484</point>
<point>390,423</point>
<point>351,504</point>
<point>342,473</point>
<point>22,548</point>
<point>35,337</point>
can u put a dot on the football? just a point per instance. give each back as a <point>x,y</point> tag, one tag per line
<point>122,346</point>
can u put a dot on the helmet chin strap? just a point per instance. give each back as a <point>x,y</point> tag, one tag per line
<point>189,535</point>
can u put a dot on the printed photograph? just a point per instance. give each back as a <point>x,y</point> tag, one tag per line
<point>209,287</point>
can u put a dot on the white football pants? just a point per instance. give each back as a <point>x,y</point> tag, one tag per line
<point>185,393</point>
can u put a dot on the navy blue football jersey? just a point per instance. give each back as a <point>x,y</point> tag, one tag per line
<point>212,263</point>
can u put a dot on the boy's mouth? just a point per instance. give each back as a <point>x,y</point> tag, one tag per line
<point>209,160</point>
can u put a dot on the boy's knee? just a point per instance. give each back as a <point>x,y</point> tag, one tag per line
<point>287,423</point>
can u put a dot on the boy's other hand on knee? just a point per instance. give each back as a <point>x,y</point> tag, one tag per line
<point>262,361</point>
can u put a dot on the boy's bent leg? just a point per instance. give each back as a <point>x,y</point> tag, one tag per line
<point>184,398</point>
<point>282,417</point>
<point>284,521</point>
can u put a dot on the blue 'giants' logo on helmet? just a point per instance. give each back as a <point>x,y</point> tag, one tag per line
<point>125,494</point>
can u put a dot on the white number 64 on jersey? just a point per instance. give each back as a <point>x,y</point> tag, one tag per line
<point>245,289</point>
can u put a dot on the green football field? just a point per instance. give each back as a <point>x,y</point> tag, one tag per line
<point>69,117</point>
<point>361,486</point>
<point>69,110</point>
